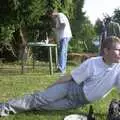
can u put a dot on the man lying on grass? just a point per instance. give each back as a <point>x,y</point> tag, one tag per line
<point>90,81</point>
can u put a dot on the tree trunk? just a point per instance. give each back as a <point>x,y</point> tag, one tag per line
<point>20,43</point>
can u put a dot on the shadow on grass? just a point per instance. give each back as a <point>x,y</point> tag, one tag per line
<point>63,113</point>
<point>42,68</point>
<point>27,70</point>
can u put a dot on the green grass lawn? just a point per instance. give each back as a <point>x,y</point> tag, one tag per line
<point>14,84</point>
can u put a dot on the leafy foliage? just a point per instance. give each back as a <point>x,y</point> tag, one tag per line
<point>116,16</point>
<point>6,32</point>
<point>98,26</point>
<point>30,17</point>
<point>84,37</point>
<point>83,30</point>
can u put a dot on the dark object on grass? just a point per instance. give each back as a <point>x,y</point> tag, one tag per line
<point>91,115</point>
<point>114,110</point>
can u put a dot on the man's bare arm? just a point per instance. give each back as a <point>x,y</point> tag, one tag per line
<point>62,79</point>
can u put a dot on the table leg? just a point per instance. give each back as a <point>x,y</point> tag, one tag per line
<point>50,61</point>
<point>22,66</point>
<point>22,63</point>
<point>33,60</point>
<point>56,56</point>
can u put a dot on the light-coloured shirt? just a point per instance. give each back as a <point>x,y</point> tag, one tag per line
<point>62,31</point>
<point>98,77</point>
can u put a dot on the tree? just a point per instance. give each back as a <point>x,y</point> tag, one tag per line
<point>84,37</point>
<point>26,20</point>
<point>82,29</point>
<point>116,16</point>
<point>19,15</point>
<point>98,26</point>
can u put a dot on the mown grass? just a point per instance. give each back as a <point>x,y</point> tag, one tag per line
<point>14,84</point>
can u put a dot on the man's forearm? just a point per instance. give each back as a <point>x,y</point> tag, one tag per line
<point>64,78</point>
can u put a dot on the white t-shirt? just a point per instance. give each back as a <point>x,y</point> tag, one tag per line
<point>99,78</point>
<point>62,32</point>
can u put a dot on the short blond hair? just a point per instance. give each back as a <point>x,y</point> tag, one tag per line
<point>108,42</point>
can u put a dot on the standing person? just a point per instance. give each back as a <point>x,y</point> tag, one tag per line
<point>90,81</point>
<point>63,36</point>
<point>109,28</point>
<point>112,28</point>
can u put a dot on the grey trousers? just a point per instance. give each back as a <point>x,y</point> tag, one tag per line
<point>58,97</point>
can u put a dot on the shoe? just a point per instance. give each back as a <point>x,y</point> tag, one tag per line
<point>3,111</point>
<point>58,71</point>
